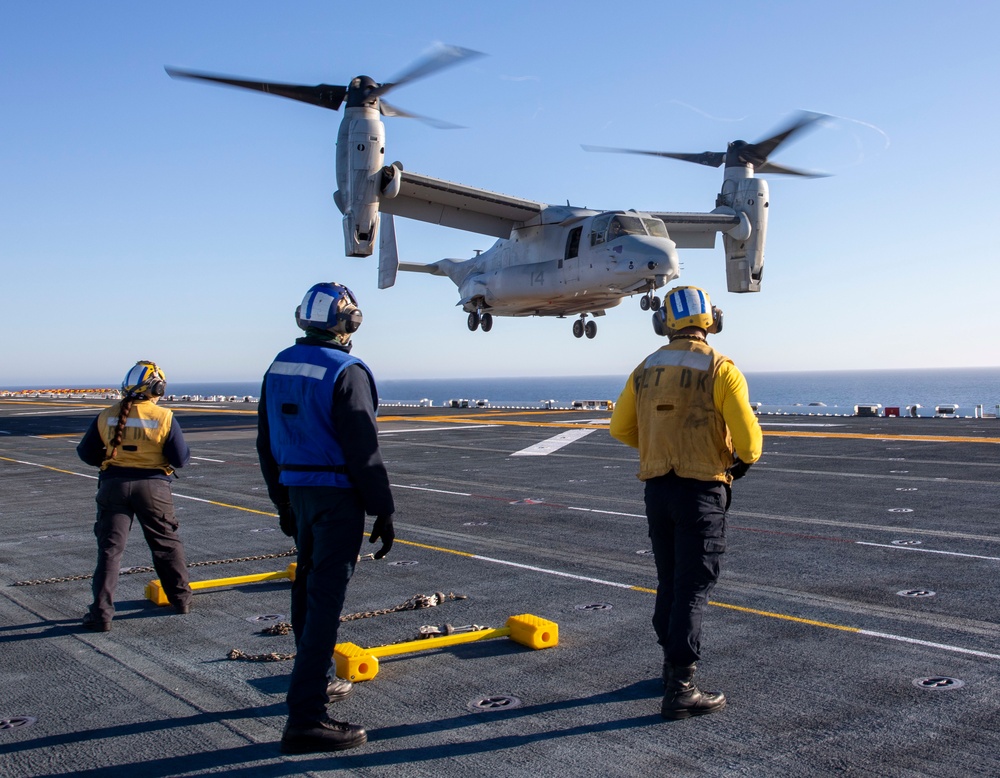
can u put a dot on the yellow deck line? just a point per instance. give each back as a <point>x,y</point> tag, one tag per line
<point>492,421</point>
<point>493,414</point>
<point>646,590</point>
<point>871,436</point>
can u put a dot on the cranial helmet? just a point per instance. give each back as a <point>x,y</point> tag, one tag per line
<point>144,379</point>
<point>330,310</point>
<point>687,306</point>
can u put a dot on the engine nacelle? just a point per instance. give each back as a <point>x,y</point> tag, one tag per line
<point>361,230</point>
<point>360,153</point>
<point>744,244</point>
<point>392,180</point>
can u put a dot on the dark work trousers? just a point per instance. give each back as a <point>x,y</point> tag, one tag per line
<point>330,524</point>
<point>119,501</point>
<point>687,526</point>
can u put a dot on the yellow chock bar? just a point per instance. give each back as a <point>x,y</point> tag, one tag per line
<point>354,663</point>
<point>156,595</point>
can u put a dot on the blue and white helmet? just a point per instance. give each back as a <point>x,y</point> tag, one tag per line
<point>329,308</point>
<point>145,379</point>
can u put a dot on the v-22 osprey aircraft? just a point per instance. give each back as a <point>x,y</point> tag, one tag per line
<point>549,260</point>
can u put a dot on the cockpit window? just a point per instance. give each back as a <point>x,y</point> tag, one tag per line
<point>625,225</point>
<point>610,226</point>
<point>656,228</point>
<point>598,227</point>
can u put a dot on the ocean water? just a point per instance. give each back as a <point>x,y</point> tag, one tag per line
<point>791,392</point>
<point>840,391</point>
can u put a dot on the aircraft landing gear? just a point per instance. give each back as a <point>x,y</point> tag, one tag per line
<point>580,328</point>
<point>649,301</point>
<point>477,320</point>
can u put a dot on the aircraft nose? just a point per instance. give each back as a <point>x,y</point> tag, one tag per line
<point>656,255</point>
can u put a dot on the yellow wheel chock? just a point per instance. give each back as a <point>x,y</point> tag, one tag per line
<point>354,663</point>
<point>156,595</point>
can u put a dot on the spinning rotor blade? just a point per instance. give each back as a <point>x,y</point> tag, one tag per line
<point>710,158</point>
<point>323,95</point>
<point>439,58</point>
<point>755,154</point>
<point>390,110</point>
<point>771,167</point>
<point>765,148</point>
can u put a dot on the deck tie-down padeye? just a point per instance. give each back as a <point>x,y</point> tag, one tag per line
<point>355,663</point>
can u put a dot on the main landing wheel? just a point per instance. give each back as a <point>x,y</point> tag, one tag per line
<point>591,329</point>
<point>474,321</point>
<point>486,320</point>
<point>644,302</point>
<point>654,303</point>
<point>578,328</point>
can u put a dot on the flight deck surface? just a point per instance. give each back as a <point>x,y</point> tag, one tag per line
<point>855,629</point>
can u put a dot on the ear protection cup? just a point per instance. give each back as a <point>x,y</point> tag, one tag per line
<point>660,322</point>
<point>351,318</point>
<point>716,320</point>
<point>329,307</point>
<point>157,388</point>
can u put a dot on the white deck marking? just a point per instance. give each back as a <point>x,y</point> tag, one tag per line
<point>549,445</point>
<point>206,459</point>
<point>428,489</point>
<point>928,550</point>
<point>549,571</point>
<point>928,643</point>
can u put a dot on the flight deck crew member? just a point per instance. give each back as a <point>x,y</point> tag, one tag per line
<point>137,445</point>
<point>686,408</point>
<point>318,446</point>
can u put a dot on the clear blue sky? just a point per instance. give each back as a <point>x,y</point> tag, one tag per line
<point>147,218</point>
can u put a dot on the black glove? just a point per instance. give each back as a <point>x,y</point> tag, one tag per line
<point>382,529</point>
<point>739,469</point>
<point>286,518</point>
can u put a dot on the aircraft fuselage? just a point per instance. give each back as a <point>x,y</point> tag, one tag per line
<point>564,269</point>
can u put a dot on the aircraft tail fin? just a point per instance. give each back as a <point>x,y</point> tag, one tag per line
<point>388,256</point>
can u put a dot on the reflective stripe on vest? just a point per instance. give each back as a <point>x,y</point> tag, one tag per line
<point>145,433</point>
<point>299,397</point>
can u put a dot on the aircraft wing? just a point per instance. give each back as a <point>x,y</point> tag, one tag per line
<point>696,230</point>
<point>456,205</point>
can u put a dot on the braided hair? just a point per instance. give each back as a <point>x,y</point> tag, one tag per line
<point>123,411</point>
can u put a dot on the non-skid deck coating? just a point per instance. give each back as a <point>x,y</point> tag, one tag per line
<point>827,667</point>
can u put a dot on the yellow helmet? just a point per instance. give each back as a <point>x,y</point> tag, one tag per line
<point>687,306</point>
<point>144,379</point>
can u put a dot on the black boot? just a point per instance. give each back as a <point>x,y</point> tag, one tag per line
<point>683,699</point>
<point>338,688</point>
<point>319,736</point>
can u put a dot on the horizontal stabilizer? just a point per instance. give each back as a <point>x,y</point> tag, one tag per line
<point>413,267</point>
<point>455,269</point>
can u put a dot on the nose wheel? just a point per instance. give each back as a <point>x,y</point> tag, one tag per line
<point>649,302</point>
<point>581,328</point>
<point>477,320</point>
